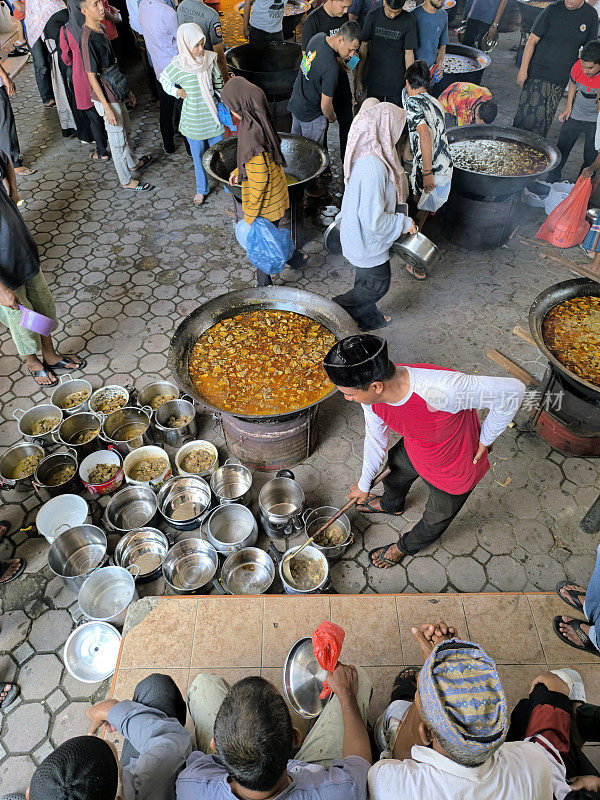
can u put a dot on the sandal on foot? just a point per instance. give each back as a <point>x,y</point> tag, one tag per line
<point>95,157</point>
<point>24,171</point>
<point>66,364</point>
<point>144,162</point>
<point>575,625</point>
<point>298,260</point>
<point>573,599</point>
<point>47,372</point>
<point>383,324</point>
<point>420,276</point>
<point>10,696</point>
<point>367,508</point>
<point>4,523</point>
<point>405,684</point>
<point>141,187</point>
<point>382,557</point>
<point>50,104</point>
<point>5,566</point>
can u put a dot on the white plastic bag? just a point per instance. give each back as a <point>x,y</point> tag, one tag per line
<point>557,193</point>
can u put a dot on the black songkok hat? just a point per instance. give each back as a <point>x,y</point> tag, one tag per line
<point>357,361</point>
<point>83,768</point>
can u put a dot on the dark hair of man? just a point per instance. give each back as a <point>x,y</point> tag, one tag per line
<point>418,75</point>
<point>591,52</point>
<point>253,734</point>
<point>487,111</point>
<point>350,31</point>
<point>395,5</point>
<point>389,373</point>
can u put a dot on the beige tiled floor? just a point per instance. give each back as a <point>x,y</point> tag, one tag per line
<point>235,637</point>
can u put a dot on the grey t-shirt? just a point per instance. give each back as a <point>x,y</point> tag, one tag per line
<point>267,15</point>
<point>205,779</point>
<point>204,16</point>
<point>585,107</point>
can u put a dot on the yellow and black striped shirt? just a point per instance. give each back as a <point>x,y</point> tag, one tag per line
<point>265,191</point>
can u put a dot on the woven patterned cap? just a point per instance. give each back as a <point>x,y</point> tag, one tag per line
<point>83,768</point>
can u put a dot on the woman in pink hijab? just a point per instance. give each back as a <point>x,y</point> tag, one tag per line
<point>369,223</point>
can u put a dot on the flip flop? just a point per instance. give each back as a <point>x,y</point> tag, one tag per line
<point>50,104</point>
<point>95,157</point>
<point>141,187</point>
<point>11,695</point>
<point>145,162</point>
<point>66,364</point>
<point>4,523</point>
<point>382,557</point>
<point>17,574</point>
<point>24,171</point>
<point>411,271</point>
<point>405,684</point>
<point>573,600</point>
<point>575,625</point>
<point>367,508</point>
<point>43,373</point>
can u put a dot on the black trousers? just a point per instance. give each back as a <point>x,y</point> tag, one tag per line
<point>396,99</point>
<point>342,105</point>
<point>140,43</point>
<point>41,70</point>
<point>370,285</point>
<point>258,37</point>
<point>440,510</point>
<point>474,32</point>
<point>159,692</point>
<point>9,141</point>
<point>571,130</point>
<point>97,130</point>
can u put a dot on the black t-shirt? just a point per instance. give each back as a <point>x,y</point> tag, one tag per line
<point>318,74</point>
<point>388,38</point>
<point>319,21</point>
<point>19,259</point>
<point>561,33</point>
<point>97,54</point>
<point>55,23</point>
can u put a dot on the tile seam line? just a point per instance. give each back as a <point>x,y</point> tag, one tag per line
<point>538,632</point>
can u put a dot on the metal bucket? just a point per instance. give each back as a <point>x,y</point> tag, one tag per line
<point>232,483</point>
<point>27,419</point>
<point>130,508</point>
<point>118,425</point>
<point>76,553</point>
<point>281,501</point>
<point>9,461</point>
<point>106,595</point>
<point>67,385</point>
<point>175,437</point>
<point>190,566</point>
<point>231,527</point>
<point>47,469</point>
<point>72,426</point>
<point>316,517</point>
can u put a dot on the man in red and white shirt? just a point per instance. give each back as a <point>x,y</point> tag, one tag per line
<point>434,409</point>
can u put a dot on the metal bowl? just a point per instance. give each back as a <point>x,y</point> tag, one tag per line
<point>303,680</point>
<point>182,501</point>
<point>248,571</point>
<point>592,215</point>
<point>77,552</point>
<point>147,548</point>
<point>91,652</point>
<point>190,566</point>
<point>132,507</point>
<point>283,298</point>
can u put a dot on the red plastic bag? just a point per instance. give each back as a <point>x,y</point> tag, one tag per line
<point>566,226</point>
<point>327,645</point>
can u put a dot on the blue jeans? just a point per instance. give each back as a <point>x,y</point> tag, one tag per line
<point>197,148</point>
<point>591,606</point>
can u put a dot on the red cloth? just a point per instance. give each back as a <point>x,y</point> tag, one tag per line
<point>440,445</point>
<point>327,645</point>
<point>20,15</point>
<point>591,83</point>
<point>110,27</point>
<point>71,55</point>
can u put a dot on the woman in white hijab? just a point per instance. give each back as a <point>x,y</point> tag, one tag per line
<point>195,70</point>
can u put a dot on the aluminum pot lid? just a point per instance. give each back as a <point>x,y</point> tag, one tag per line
<point>91,652</point>
<point>303,680</point>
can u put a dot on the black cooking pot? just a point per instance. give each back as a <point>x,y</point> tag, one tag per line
<point>546,300</point>
<point>483,186</point>
<point>304,158</point>
<point>273,67</point>
<point>473,76</point>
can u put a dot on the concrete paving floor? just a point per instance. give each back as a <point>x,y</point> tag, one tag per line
<point>125,268</point>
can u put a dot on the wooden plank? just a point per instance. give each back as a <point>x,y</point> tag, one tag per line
<point>511,367</point>
<point>524,334</point>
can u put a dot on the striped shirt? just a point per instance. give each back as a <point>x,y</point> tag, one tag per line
<point>265,191</point>
<point>196,120</point>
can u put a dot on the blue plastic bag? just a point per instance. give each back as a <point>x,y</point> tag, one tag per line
<point>268,247</point>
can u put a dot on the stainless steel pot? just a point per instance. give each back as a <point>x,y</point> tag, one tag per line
<point>417,250</point>
<point>231,527</point>
<point>9,461</point>
<point>175,437</point>
<point>314,518</point>
<point>27,419</point>
<point>146,548</point>
<point>49,466</point>
<point>281,501</point>
<point>155,389</point>
<point>107,392</point>
<point>314,554</point>
<point>130,508</point>
<point>105,596</point>
<point>247,571</point>
<point>76,553</point>
<point>183,501</point>
<point>190,566</point>
<point>68,385</point>
<point>232,483</point>
<point>72,426</point>
<point>116,427</point>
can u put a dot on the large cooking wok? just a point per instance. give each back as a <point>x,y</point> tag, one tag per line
<point>480,185</point>
<point>473,76</point>
<point>546,300</point>
<point>227,305</point>
<point>304,158</point>
<point>273,67</point>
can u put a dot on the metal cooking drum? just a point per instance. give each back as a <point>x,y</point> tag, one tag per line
<point>321,309</point>
<point>272,67</point>
<point>550,297</point>
<point>304,158</point>
<point>478,184</point>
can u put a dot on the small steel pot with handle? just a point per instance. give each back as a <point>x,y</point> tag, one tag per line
<point>76,553</point>
<point>249,571</point>
<point>107,393</point>
<point>68,385</point>
<point>314,518</point>
<point>44,477</point>
<point>281,501</point>
<point>136,458</point>
<point>28,419</point>
<point>231,527</point>
<point>148,395</point>
<point>232,483</point>
<point>127,429</point>
<point>190,566</point>
<point>106,595</point>
<point>78,425</point>
<point>174,410</point>
<point>315,555</point>
<point>10,459</point>
<point>184,501</point>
